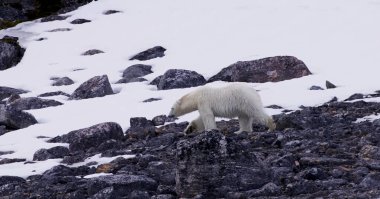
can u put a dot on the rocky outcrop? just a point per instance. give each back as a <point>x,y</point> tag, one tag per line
<point>11,52</point>
<point>13,12</point>
<point>178,78</point>
<point>135,72</point>
<point>29,103</point>
<point>6,92</point>
<point>14,119</point>
<point>98,86</point>
<point>151,53</point>
<point>271,69</point>
<point>52,153</point>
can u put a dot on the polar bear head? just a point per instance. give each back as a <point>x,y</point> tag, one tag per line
<point>184,105</point>
<point>175,110</point>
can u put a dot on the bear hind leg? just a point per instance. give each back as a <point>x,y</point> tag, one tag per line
<point>208,119</point>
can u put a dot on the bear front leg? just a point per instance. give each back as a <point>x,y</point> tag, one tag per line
<point>245,124</point>
<point>195,126</point>
<point>208,118</point>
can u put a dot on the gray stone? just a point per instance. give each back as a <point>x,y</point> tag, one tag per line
<point>98,86</point>
<point>15,119</point>
<point>80,21</point>
<point>52,153</point>
<point>178,78</point>
<point>109,12</point>
<point>11,52</point>
<point>54,18</point>
<point>6,92</point>
<point>29,103</point>
<point>271,69</point>
<point>54,93</point>
<point>92,52</point>
<point>330,85</point>
<point>63,81</point>
<point>151,53</point>
<point>316,88</point>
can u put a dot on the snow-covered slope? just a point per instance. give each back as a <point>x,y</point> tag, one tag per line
<point>337,39</point>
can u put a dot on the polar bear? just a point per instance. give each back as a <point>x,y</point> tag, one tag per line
<point>234,100</point>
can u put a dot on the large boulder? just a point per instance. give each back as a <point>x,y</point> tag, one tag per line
<point>151,53</point>
<point>11,52</point>
<point>132,73</point>
<point>29,103</point>
<point>97,86</point>
<point>15,119</point>
<point>93,136</point>
<point>55,152</point>
<point>271,69</point>
<point>178,78</point>
<point>6,92</point>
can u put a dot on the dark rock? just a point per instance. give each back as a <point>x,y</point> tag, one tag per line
<point>10,179</point>
<point>6,152</point>
<point>137,70</point>
<point>152,100</point>
<point>6,92</point>
<point>15,119</point>
<point>163,196</point>
<point>151,53</point>
<point>371,181</point>
<point>109,12</point>
<point>54,18</point>
<point>52,153</point>
<point>330,85</point>
<point>316,88</point>
<point>271,69</point>
<point>3,130</point>
<point>140,122</point>
<point>29,103</point>
<point>274,106</point>
<point>97,86</point>
<point>60,30</point>
<point>355,97</point>
<point>55,93</point>
<point>314,174</point>
<point>177,78</point>
<point>11,160</point>
<point>11,52</point>
<point>80,21</point>
<point>92,52</point>
<point>315,161</point>
<point>159,120</point>
<point>139,195</point>
<point>12,98</point>
<point>131,80</point>
<point>93,136</point>
<point>105,193</point>
<point>64,81</point>
<point>156,80</point>
<point>140,128</point>
<point>122,185</point>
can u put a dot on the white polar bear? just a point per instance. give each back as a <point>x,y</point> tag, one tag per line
<point>234,100</point>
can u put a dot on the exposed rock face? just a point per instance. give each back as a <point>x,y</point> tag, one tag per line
<point>63,81</point>
<point>271,69</point>
<point>16,11</point>
<point>151,53</point>
<point>132,73</point>
<point>6,92</point>
<point>11,52</point>
<point>15,119</point>
<point>55,152</point>
<point>93,136</point>
<point>177,78</point>
<point>98,86</point>
<point>29,103</point>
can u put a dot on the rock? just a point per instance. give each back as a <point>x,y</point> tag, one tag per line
<point>271,69</point>
<point>156,80</point>
<point>135,79</point>
<point>12,98</point>
<point>274,106</point>
<point>122,185</point>
<point>3,130</point>
<point>369,151</point>
<point>330,85</point>
<point>98,86</point>
<point>371,181</point>
<point>92,52</point>
<point>140,128</point>
<point>55,93</point>
<point>159,120</point>
<point>105,193</point>
<point>140,122</point>
<point>6,92</point>
<point>92,136</point>
<point>10,179</point>
<point>52,153</point>
<point>54,18</point>
<point>29,103</point>
<point>316,88</point>
<point>60,30</point>
<point>64,81</point>
<point>177,78</point>
<point>134,72</point>
<point>316,161</point>
<point>163,196</point>
<point>80,21</point>
<point>355,97</point>
<point>11,52</point>
<point>15,119</point>
<point>151,53</point>
<point>152,100</point>
<point>109,12</point>
<point>11,160</point>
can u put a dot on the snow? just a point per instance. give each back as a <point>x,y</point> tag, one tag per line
<point>337,39</point>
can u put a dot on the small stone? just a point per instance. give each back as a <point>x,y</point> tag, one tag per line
<point>54,18</point>
<point>152,100</point>
<point>92,52</point>
<point>60,30</point>
<point>159,120</point>
<point>274,106</point>
<point>80,21</point>
<point>11,160</point>
<point>109,12</point>
<point>178,78</point>
<point>355,97</point>
<point>151,53</point>
<point>55,93</point>
<point>52,153</point>
<point>98,86</point>
<point>316,88</point>
<point>330,85</point>
<point>64,81</point>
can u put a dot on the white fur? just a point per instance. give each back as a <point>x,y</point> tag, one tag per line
<point>235,100</point>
